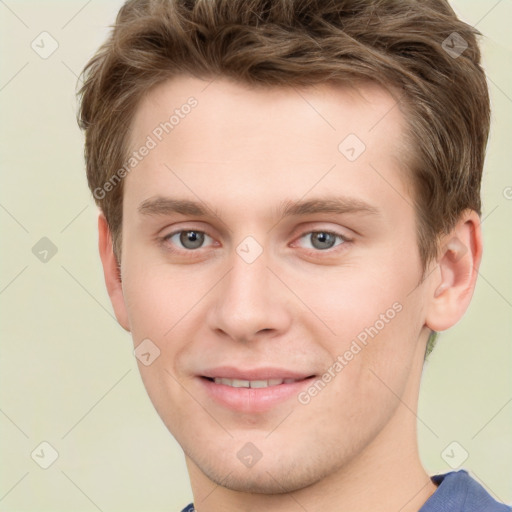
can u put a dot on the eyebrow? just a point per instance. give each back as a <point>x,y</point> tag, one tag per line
<point>336,205</point>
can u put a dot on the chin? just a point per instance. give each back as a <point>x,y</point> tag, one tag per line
<point>278,474</point>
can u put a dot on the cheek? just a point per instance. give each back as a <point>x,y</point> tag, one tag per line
<point>156,299</point>
<point>374,323</point>
<point>377,356</point>
<point>354,300</point>
<point>147,309</point>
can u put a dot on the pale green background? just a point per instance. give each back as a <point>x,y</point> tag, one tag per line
<point>66,364</point>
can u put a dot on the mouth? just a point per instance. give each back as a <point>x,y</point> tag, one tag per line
<point>253,384</point>
<point>253,391</point>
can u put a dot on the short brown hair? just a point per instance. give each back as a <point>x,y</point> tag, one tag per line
<point>418,47</point>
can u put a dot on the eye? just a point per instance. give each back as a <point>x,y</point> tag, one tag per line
<point>189,239</point>
<point>322,240</point>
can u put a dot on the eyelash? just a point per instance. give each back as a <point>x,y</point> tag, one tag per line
<point>344,240</point>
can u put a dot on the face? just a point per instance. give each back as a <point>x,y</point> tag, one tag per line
<point>270,262</point>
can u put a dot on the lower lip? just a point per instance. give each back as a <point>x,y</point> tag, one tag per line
<point>253,399</point>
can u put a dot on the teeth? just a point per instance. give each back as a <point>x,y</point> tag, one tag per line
<point>237,383</point>
<point>259,384</point>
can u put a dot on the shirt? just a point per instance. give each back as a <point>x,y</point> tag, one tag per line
<point>456,492</point>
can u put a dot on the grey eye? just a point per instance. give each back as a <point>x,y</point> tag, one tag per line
<point>322,240</point>
<point>189,239</point>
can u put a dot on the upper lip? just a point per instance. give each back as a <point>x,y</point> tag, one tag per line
<point>229,372</point>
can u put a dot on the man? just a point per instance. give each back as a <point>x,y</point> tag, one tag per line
<point>290,210</point>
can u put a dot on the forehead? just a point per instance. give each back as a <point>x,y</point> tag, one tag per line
<point>322,112</point>
<point>266,141</point>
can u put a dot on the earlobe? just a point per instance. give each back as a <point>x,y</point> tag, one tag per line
<point>111,272</point>
<point>454,281</point>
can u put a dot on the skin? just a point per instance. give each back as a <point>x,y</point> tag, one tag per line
<point>243,151</point>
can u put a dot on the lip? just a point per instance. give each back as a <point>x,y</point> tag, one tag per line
<point>253,400</point>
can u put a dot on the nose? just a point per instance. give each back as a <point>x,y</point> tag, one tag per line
<point>250,302</point>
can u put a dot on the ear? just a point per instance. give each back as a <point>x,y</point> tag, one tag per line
<point>454,280</point>
<point>112,272</point>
